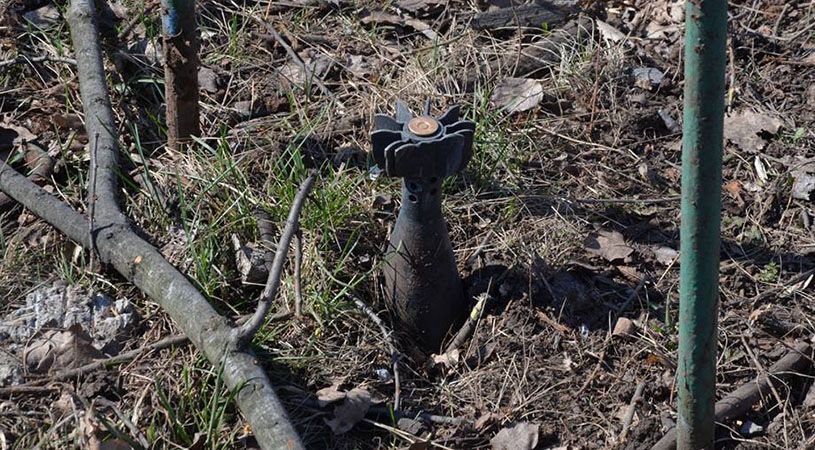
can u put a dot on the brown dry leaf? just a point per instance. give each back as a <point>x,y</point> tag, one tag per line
<point>315,65</point>
<point>522,436</point>
<point>351,411</point>
<point>56,350</point>
<point>609,32</point>
<point>734,187</point>
<point>449,359</point>
<point>743,128</point>
<point>609,245</point>
<point>517,94</point>
<point>330,394</point>
<point>382,18</point>
<point>416,6</point>
<point>14,135</point>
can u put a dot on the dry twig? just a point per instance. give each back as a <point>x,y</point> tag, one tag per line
<point>247,330</point>
<point>387,335</point>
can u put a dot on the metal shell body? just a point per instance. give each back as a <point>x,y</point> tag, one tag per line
<point>422,286</point>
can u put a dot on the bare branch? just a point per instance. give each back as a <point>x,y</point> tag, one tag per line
<point>99,120</point>
<point>251,326</point>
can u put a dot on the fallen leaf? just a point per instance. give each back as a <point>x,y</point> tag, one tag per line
<point>522,436</point>
<point>382,18</point>
<point>449,359</point>
<point>609,245</point>
<point>761,170</point>
<point>733,187</point>
<point>409,425</point>
<point>351,411</point>
<point>359,66</point>
<point>624,327</point>
<point>609,32</point>
<point>56,350</point>
<point>315,66</point>
<point>517,94</point>
<point>330,394</point>
<point>44,17</point>
<point>12,135</point>
<point>417,6</point>
<point>803,186</point>
<point>423,28</point>
<point>743,128</point>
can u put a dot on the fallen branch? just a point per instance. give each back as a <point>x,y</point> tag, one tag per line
<point>41,165</point>
<point>248,329</point>
<point>140,262</point>
<point>739,402</point>
<point>469,326</point>
<point>629,413</point>
<point>530,15</point>
<point>298,268</point>
<point>22,59</point>
<point>535,58</point>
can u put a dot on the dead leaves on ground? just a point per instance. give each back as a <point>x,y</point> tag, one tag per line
<point>352,410</point>
<point>521,436</point>
<point>609,245</point>
<point>744,128</point>
<point>354,406</point>
<point>517,94</point>
<point>57,350</point>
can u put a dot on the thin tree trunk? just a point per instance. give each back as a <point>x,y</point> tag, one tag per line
<point>180,70</point>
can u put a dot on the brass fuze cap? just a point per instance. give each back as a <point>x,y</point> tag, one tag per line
<point>423,126</point>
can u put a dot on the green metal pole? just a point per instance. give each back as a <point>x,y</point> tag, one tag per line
<point>705,40</point>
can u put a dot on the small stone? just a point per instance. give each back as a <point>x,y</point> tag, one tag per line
<point>208,80</point>
<point>11,370</point>
<point>647,77</point>
<point>383,374</point>
<point>624,327</point>
<point>411,426</point>
<point>749,429</point>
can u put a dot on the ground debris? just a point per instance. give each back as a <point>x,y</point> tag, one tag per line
<point>743,128</point>
<point>609,245</point>
<point>351,411</point>
<point>62,306</point>
<point>521,436</point>
<point>517,94</point>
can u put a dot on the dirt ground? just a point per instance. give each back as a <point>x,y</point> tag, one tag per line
<point>565,220</point>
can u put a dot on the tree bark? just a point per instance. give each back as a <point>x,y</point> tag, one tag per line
<point>180,70</point>
<point>103,136</point>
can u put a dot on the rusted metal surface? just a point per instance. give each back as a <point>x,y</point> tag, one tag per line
<point>705,38</point>
<point>422,285</point>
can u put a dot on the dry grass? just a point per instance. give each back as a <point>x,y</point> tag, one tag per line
<point>524,188</point>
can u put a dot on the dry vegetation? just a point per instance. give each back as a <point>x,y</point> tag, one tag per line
<point>566,218</point>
